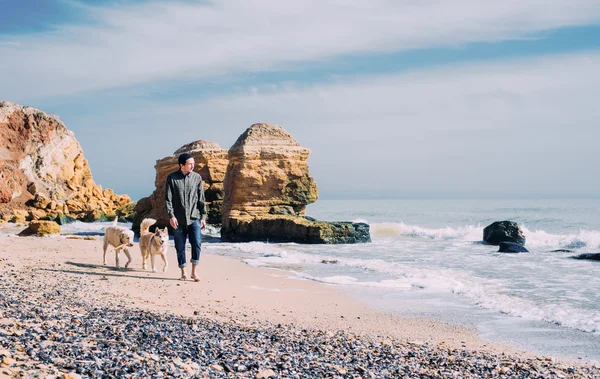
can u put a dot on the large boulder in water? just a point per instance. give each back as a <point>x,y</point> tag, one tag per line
<point>511,247</point>
<point>588,256</point>
<point>503,231</point>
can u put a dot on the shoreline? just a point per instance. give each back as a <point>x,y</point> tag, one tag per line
<point>230,292</point>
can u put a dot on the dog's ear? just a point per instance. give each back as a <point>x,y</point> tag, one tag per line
<point>157,232</point>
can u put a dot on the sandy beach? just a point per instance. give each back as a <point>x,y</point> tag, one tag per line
<point>40,275</point>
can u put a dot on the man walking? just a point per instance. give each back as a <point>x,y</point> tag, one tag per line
<point>186,207</point>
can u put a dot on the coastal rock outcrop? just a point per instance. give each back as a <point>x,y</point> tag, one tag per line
<point>294,229</point>
<point>588,256</point>
<point>40,228</point>
<point>503,231</point>
<point>43,170</point>
<point>211,164</point>
<point>511,247</point>
<point>267,188</point>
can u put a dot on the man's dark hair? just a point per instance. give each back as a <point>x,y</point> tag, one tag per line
<point>184,157</point>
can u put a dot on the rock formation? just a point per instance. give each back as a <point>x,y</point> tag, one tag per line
<point>511,247</point>
<point>40,228</point>
<point>588,256</point>
<point>267,174</point>
<point>211,163</point>
<point>43,173</point>
<point>503,231</point>
<point>267,187</point>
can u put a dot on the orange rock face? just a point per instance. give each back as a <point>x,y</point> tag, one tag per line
<point>211,163</point>
<point>267,175</point>
<point>41,163</point>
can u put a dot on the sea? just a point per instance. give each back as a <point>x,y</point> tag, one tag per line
<point>427,259</point>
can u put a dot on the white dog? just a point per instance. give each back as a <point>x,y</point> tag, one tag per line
<point>153,244</point>
<point>120,238</point>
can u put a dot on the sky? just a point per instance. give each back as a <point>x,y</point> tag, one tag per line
<point>395,99</point>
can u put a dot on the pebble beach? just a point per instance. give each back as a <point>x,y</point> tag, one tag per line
<point>65,315</point>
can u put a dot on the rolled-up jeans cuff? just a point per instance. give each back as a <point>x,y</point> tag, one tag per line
<point>195,261</point>
<point>183,265</point>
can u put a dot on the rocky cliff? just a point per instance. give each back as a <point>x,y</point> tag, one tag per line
<point>43,172</point>
<point>267,187</point>
<point>211,163</point>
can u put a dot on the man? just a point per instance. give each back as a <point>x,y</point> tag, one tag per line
<point>184,198</point>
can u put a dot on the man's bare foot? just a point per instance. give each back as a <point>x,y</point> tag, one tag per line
<point>195,278</point>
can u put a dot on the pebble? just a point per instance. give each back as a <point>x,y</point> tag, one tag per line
<point>56,330</point>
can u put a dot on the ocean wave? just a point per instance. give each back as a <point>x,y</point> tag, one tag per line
<point>582,238</point>
<point>535,238</point>
<point>467,233</point>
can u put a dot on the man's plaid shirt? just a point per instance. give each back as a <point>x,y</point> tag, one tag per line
<point>184,197</point>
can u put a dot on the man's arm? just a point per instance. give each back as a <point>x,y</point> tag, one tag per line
<point>202,204</point>
<point>169,202</point>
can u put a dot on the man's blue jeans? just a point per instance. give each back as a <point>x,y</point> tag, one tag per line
<point>194,233</point>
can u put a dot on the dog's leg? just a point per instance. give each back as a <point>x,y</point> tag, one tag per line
<point>143,260</point>
<point>105,248</point>
<point>152,260</point>
<point>164,258</point>
<point>117,257</point>
<point>128,257</point>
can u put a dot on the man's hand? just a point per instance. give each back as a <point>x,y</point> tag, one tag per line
<point>202,224</point>
<point>173,222</point>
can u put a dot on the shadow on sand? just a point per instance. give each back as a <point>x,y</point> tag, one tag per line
<point>117,272</point>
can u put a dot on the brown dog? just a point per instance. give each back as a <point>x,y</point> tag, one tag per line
<point>153,244</point>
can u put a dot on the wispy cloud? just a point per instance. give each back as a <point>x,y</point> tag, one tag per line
<point>156,41</point>
<point>526,125</point>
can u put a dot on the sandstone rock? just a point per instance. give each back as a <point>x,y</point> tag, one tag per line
<point>211,163</point>
<point>40,201</point>
<point>19,216</point>
<point>40,227</point>
<point>32,188</point>
<point>36,214</point>
<point>267,188</point>
<point>21,213</point>
<point>267,173</point>
<point>127,212</point>
<point>503,231</point>
<point>17,219</point>
<point>41,161</point>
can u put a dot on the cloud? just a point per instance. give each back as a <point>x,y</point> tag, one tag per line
<point>129,44</point>
<point>518,126</point>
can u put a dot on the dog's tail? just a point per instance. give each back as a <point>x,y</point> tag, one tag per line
<point>116,220</point>
<point>145,225</point>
